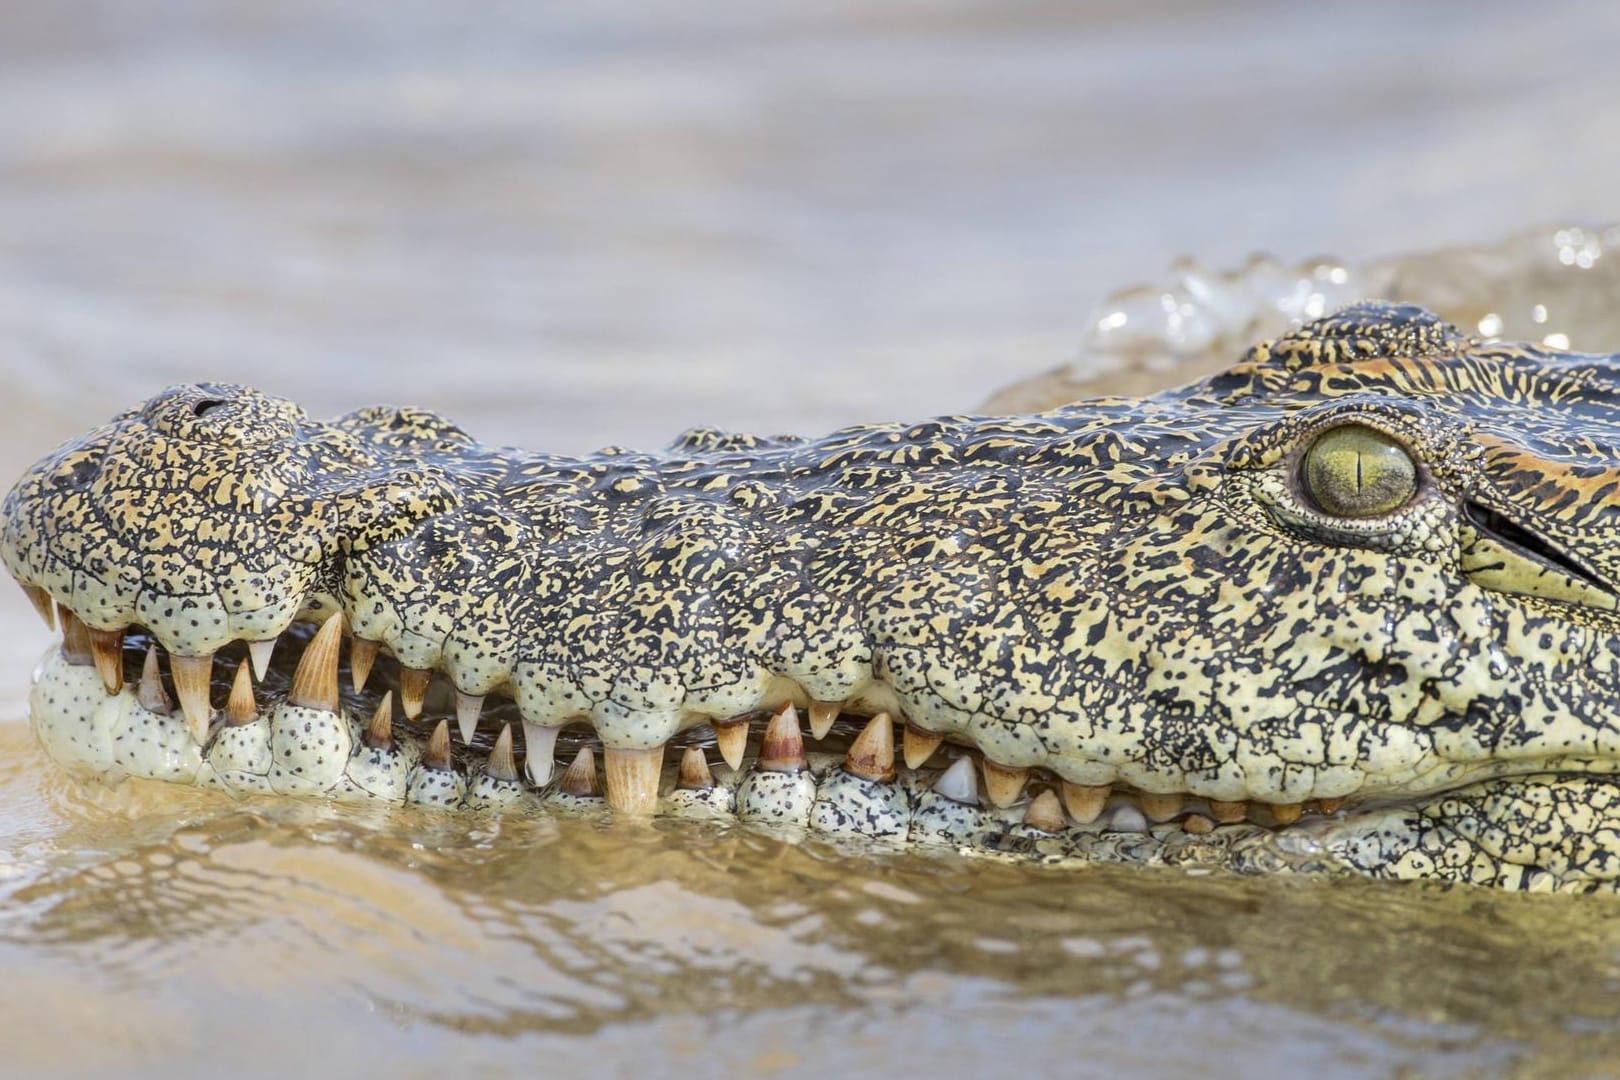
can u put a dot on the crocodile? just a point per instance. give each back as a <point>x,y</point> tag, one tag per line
<point>1350,606</point>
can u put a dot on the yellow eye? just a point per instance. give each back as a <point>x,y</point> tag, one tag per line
<point>1357,472</point>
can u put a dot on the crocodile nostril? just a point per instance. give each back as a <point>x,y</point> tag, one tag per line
<point>202,408</point>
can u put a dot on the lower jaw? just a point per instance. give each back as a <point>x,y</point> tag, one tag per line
<point>852,790</point>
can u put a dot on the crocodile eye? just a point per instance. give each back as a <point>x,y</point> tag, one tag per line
<point>1356,472</point>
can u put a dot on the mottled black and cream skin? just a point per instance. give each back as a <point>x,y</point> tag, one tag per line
<point>1134,592</point>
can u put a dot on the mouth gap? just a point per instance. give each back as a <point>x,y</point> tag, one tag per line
<point>1504,531</point>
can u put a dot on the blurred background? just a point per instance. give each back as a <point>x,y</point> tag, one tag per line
<point>575,225</point>
<point>571,225</point>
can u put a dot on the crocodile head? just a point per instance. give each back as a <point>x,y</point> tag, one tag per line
<point>1353,603</point>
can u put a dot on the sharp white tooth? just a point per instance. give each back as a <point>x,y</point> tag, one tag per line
<point>315,683</point>
<point>191,675</point>
<point>917,745</point>
<point>1045,813</point>
<point>468,709</point>
<point>1085,802</point>
<point>150,692</point>
<point>960,782</point>
<point>695,774</point>
<point>1002,784</point>
<point>732,741</point>
<point>871,755</point>
<point>1128,819</point>
<point>42,604</point>
<point>107,647</point>
<point>823,714</point>
<point>259,652</point>
<point>436,755</point>
<point>540,749</point>
<point>501,764</point>
<point>362,655</point>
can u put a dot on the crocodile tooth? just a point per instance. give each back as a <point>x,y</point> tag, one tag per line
<point>782,749</point>
<point>315,682</point>
<point>259,652</point>
<point>695,774</point>
<point>871,755</point>
<point>1198,824</point>
<point>1003,786</point>
<point>75,638</point>
<point>413,687</point>
<point>469,707</point>
<point>362,654</point>
<point>917,746</point>
<point>1228,813</point>
<point>1287,813</point>
<point>732,741</point>
<point>42,604</point>
<point>436,755</point>
<point>580,776</point>
<point>1085,802</point>
<point>1045,812</point>
<point>107,648</point>
<point>501,764</point>
<point>1161,807</point>
<point>380,732</point>
<point>1128,819</point>
<point>960,782</point>
<point>539,752</point>
<point>241,708</point>
<point>823,714</point>
<point>191,675</point>
<point>632,778</point>
<point>150,692</point>
<point>1329,806</point>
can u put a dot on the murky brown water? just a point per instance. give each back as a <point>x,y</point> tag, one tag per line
<point>575,228</point>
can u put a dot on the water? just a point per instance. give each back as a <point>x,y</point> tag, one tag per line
<point>570,229</point>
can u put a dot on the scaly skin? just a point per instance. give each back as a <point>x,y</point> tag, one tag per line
<point>1129,594</point>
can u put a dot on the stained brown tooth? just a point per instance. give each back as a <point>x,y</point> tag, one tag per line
<point>380,732</point>
<point>1228,813</point>
<point>871,755</point>
<point>150,692</point>
<point>191,675</point>
<point>42,604</point>
<point>1085,802</point>
<point>1045,812</point>
<point>1329,806</point>
<point>580,777</point>
<point>315,683</point>
<point>1161,807</point>
<point>501,764</point>
<point>107,647</point>
<point>1287,813</point>
<point>782,749</point>
<point>469,707</point>
<point>960,782</point>
<point>632,778</point>
<point>1003,786</point>
<point>241,709</point>
<point>823,714</point>
<point>75,638</point>
<point>695,774</point>
<point>437,753</point>
<point>1198,824</point>
<point>259,652</point>
<point>917,746</point>
<point>413,687</point>
<point>362,654</point>
<point>539,752</point>
<point>731,740</point>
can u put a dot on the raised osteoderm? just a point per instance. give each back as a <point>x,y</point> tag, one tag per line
<point>1351,604</point>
